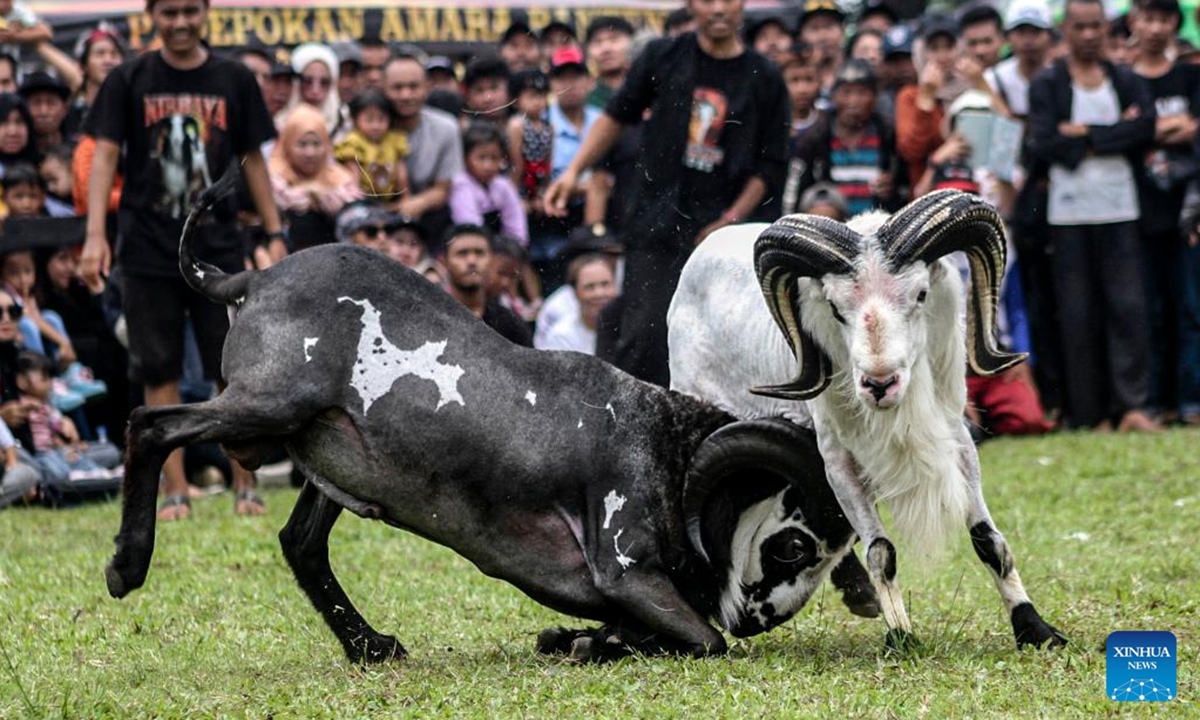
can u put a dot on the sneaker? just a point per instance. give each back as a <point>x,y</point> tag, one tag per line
<point>79,379</point>
<point>64,398</point>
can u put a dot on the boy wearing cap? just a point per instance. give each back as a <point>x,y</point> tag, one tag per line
<point>821,28</point>
<point>1171,265</point>
<point>519,47</point>
<point>851,147</point>
<point>571,118</point>
<point>1027,27</point>
<point>920,107</point>
<point>770,37</point>
<point>46,97</point>
<point>609,39</point>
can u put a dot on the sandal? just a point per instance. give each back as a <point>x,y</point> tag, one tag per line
<point>175,507</point>
<point>249,503</point>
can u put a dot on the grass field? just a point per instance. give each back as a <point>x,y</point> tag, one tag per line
<point>1104,529</point>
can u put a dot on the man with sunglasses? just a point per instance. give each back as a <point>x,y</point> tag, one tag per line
<point>180,116</point>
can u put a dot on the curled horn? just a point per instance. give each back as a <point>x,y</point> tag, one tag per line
<point>779,449</point>
<point>793,247</point>
<point>948,221</point>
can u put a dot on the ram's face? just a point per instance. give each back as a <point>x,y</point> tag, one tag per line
<point>882,319</point>
<point>778,561</point>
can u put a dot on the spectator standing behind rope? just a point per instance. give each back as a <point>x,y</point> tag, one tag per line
<point>1091,122</point>
<point>714,149</point>
<point>145,106</point>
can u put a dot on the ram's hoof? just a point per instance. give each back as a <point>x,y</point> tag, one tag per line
<point>376,649</point>
<point>862,604</point>
<point>901,641</point>
<point>584,650</point>
<point>119,584</point>
<point>557,641</point>
<point>1032,631</point>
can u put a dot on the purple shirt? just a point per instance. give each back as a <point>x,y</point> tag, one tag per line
<point>470,201</point>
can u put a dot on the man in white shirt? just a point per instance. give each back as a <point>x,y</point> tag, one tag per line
<point>1090,122</point>
<point>1027,27</point>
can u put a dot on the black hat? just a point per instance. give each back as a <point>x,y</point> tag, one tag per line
<point>585,239</point>
<point>855,71</point>
<point>517,27</point>
<point>812,8</point>
<point>528,80</point>
<point>347,52</point>
<point>754,28</point>
<point>938,24</point>
<point>557,25</point>
<point>878,7</point>
<point>615,23</point>
<point>41,81</point>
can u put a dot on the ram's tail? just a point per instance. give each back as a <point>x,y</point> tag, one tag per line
<point>208,280</point>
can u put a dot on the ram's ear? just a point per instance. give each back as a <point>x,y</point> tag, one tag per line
<point>773,450</point>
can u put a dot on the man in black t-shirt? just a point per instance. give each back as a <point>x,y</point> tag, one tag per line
<point>1168,165</point>
<point>179,116</point>
<point>467,255</point>
<point>713,153</point>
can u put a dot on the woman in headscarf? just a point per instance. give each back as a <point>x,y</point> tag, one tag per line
<point>310,187</point>
<point>316,68</point>
<point>16,133</point>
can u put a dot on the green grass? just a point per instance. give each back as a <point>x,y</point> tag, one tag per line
<point>220,629</point>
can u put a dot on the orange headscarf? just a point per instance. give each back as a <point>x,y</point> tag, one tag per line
<point>302,120</point>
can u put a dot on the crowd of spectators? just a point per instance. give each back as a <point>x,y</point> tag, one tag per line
<point>556,184</point>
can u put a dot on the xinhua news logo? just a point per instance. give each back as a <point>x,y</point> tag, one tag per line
<point>1141,666</point>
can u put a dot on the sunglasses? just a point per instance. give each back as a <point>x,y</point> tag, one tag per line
<point>12,312</point>
<point>374,232</point>
<point>318,81</point>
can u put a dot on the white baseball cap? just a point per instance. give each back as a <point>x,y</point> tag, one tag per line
<point>1035,13</point>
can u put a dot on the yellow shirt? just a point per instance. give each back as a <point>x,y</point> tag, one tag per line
<point>376,162</point>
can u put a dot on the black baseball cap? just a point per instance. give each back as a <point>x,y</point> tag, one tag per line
<point>41,81</point>
<point>898,40</point>
<point>528,80</point>
<point>938,24</point>
<point>878,7</point>
<point>615,23</point>
<point>855,71</point>
<point>557,25</point>
<point>517,27</point>
<point>756,27</point>
<point>586,239</point>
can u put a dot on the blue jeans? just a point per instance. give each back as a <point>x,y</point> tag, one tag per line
<point>56,468</point>
<point>33,337</point>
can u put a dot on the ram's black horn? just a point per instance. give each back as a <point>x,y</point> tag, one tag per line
<point>793,247</point>
<point>948,221</point>
<point>776,448</point>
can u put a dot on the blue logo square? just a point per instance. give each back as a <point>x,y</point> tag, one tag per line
<point>1141,666</point>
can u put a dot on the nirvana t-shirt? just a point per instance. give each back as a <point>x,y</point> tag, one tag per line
<point>713,124</point>
<point>1163,178</point>
<point>180,130</point>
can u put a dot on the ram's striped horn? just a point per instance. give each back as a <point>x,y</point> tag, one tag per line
<point>793,247</point>
<point>769,453</point>
<point>948,221</point>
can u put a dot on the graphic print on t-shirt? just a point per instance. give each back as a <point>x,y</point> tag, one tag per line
<point>180,128</point>
<point>709,110</point>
